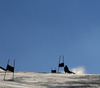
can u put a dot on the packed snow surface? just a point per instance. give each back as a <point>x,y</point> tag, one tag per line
<point>49,80</point>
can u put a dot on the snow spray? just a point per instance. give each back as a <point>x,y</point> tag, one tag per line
<point>79,70</point>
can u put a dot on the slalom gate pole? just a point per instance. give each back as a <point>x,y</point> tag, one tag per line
<point>6,70</point>
<point>13,71</point>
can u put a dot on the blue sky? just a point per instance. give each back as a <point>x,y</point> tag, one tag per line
<point>36,32</point>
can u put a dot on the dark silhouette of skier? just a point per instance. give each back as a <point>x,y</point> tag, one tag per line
<point>66,69</point>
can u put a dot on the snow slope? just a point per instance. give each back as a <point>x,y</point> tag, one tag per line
<point>49,80</point>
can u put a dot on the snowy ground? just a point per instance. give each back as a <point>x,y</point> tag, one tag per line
<point>49,80</point>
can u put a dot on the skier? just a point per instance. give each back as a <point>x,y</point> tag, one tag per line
<point>66,69</point>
